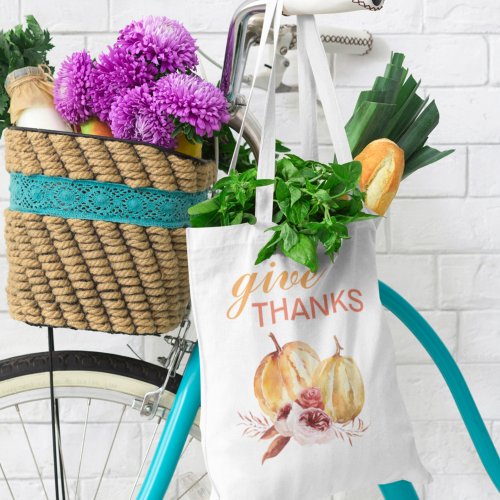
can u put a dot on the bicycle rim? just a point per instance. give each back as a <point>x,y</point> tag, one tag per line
<point>95,393</point>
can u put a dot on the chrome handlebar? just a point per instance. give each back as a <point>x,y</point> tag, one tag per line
<point>245,30</point>
<point>246,27</point>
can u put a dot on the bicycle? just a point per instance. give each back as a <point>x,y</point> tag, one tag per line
<point>134,388</point>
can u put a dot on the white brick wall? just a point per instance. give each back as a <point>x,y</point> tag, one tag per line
<point>440,247</point>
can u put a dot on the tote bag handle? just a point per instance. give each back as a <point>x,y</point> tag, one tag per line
<point>307,102</point>
<point>313,63</point>
<point>273,10</point>
<point>313,66</point>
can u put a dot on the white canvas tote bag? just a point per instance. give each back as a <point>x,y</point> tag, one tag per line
<point>299,391</point>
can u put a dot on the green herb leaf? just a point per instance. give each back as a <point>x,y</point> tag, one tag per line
<point>348,173</point>
<point>297,214</point>
<point>203,208</point>
<point>269,249</point>
<point>303,252</point>
<point>295,194</point>
<point>282,192</point>
<point>289,236</point>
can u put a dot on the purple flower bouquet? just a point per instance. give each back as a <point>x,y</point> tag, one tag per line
<point>144,88</point>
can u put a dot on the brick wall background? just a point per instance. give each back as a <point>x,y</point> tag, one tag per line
<point>440,246</point>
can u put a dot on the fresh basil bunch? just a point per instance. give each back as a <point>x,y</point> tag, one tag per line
<point>313,203</point>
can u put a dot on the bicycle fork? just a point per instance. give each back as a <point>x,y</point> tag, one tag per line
<point>175,433</point>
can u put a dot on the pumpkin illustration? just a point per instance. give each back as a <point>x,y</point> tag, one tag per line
<point>341,385</point>
<point>283,374</point>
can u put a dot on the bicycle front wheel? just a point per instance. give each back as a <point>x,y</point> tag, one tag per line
<point>104,441</point>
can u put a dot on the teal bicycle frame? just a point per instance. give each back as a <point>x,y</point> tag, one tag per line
<point>187,402</point>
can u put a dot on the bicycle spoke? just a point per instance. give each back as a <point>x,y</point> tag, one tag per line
<point>145,458</point>
<point>62,469</point>
<point>134,352</point>
<point>110,450</point>
<point>82,448</point>
<point>188,443</point>
<point>31,450</point>
<point>192,486</point>
<point>50,335</point>
<point>7,482</point>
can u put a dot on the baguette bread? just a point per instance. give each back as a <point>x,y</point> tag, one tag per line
<point>383,163</point>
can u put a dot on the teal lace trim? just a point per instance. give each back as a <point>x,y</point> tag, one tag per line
<point>93,200</point>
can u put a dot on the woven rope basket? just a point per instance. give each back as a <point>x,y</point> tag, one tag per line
<point>93,274</point>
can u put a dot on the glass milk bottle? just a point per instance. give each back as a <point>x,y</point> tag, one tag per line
<point>31,100</point>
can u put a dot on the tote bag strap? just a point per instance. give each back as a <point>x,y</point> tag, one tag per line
<point>311,50</point>
<point>307,103</point>
<point>266,167</point>
<point>273,10</point>
<point>314,52</point>
<point>314,64</point>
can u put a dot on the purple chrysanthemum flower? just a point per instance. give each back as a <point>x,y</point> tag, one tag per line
<point>116,72</point>
<point>162,41</point>
<point>133,116</point>
<point>192,100</point>
<point>72,88</point>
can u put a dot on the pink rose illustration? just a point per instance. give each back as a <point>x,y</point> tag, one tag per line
<point>306,425</point>
<point>313,426</point>
<point>282,425</point>
<point>311,398</point>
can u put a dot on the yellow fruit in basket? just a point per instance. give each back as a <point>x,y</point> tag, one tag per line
<point>341,385</point>
<point>283,374</point>
<point>188,148</point>
<point>383,163</point>
<point>94,126</point>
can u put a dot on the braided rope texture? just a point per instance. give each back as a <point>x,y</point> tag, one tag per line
<point>81,157</point>
<point>340,40</point>
<point>98,275</point>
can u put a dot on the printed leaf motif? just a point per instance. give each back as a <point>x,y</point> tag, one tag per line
<point>255,426</point>
<point>276,447</point>
<point>270,433</point>
<point>349,430</point>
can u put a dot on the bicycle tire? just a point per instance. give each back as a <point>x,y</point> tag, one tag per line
<point>93,370</point>
<point>27,364</point>
<point>83,375</point>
